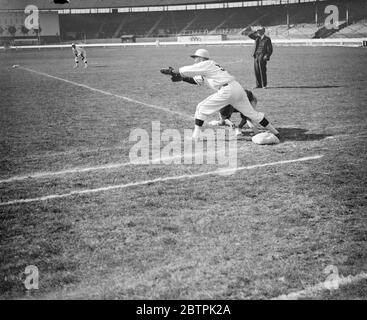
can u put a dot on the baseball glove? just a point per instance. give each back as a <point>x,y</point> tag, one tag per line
<point>167,71</point>
<point>175,76</point>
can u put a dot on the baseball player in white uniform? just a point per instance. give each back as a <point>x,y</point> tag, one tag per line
<point>228,91</point>
<point>79,52</point>
<point>227,111</point>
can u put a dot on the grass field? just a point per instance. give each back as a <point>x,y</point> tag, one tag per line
<point>257,234</point>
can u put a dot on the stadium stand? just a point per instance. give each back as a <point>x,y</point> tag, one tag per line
<point>231,21</point>
<point>167,23</point>
<point>355,30</point>
<point>295,31</point>
<point>300,20</point>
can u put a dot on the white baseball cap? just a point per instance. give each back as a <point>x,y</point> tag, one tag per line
<point>202,53</point>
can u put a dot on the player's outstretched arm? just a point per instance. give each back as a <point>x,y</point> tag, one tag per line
<point>189,80</point>
<point>176,76</point>
<point>167,71</point>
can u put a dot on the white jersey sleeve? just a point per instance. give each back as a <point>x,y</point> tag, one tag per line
<point>79,50</point>
<point>199,80</point>
<point>201,68</point>
<point>212,74</point>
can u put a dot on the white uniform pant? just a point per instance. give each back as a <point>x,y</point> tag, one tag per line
<point>232,94</point>
<point>82,56</point>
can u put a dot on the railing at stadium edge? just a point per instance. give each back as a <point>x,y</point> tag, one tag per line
<point>356,42</point>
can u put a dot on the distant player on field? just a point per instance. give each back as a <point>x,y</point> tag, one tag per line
<point>79,52</point>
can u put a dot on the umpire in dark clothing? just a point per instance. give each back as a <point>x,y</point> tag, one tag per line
<point>262,52</point>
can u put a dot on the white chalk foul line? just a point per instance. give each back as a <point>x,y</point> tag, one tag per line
<point>97,168</point>
<point>64,172</point>
<point>139,183</point>
<point>323,286</point>
<point>107,93</point>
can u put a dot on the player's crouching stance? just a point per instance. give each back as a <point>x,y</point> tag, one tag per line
<point>79,52</point>
<point>226,114</point>
<point>228,91</point>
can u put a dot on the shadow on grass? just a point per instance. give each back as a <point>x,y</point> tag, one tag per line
<point>304,87</point>
<point>298,134</point>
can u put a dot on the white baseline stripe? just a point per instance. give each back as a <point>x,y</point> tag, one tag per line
<point>318,288</point>
<point>64,172</point>
<point>107,93</point>
<point>99,168</point>
<point>139,183</point>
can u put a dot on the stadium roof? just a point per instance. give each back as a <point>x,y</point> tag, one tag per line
<point>84,4</point>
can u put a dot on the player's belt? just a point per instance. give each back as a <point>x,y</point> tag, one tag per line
<point>224,85</point>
